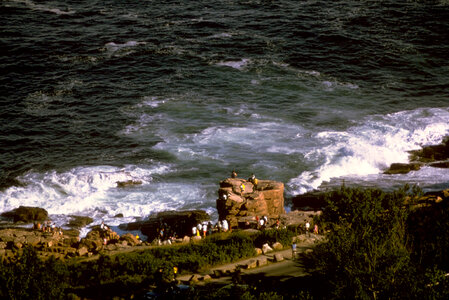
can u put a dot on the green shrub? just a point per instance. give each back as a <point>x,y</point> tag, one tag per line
<point>368,249</point>
<point>28,277</point>
<point>283,236</point>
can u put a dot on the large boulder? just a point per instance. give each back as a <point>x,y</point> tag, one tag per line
<point>93,241</point>
<point>130,239</point>
<point>26,214</point>
<point>264,199</point>
<point>78,222</point>
<point>179,222</point>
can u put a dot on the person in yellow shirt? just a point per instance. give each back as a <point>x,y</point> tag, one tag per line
<point>242,188</point>
<point>253,180</point>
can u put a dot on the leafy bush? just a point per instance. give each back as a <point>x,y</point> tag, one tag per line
<point>28,277</point>
<point>368,250</point>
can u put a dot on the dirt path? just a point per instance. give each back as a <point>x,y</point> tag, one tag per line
<point>286,269</point>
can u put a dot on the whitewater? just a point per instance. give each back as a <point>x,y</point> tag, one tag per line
<point>174,96</point>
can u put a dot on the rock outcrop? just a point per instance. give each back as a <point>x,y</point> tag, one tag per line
<point>26,214</point>
<point>46,243</point>
<point>264,199</point>
<point>122,184</point>
<point>179,222</point>
<point>79,222</point>
<point>436,156</point>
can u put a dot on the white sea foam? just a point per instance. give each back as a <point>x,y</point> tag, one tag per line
<point>239,64</point>
<point>120,50</point>
<point>83,190</point>
<point>226,143</point>
<point>153,101</point>
<point>370,147</point>
<point>111,46</point>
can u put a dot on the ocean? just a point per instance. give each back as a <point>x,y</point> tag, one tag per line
<point>174,95</point>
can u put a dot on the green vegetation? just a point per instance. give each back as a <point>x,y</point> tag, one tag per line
<point>372,250</point>
<point>27,277</point>
<point>122,273</point>
<point>379,246</point>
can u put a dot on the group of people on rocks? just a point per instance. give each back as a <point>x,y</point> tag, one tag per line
<point>108,234</point>
<point>251,179</point>
<point>165,234</point>
<point>48,227</point>
<point>307,227</point>
<point>207,228</point>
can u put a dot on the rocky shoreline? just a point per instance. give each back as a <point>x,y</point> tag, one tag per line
<point>242,210</point>
<point>242,203</point>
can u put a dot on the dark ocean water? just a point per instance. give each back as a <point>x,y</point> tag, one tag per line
<point>176,94</point>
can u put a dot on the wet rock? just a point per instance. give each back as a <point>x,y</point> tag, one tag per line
<point>431,153</point>
<point>26,214</point>
<point>399,168</point>
<point>436,156</point>
<point>441,165</point>
<point>122,184</point>
<point>78,222</point>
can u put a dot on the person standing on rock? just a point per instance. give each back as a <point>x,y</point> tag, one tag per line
<point>307,229</point>
<point>198,229</point>
<point>253,180</point>
<point>234,174</point>
<point>204,229</point>
<point>242,188</point>
<point>294,251</point>
<point>209,228</point>
<point>225,225</point>
<point>262,223</point>
<point>175,273</point>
